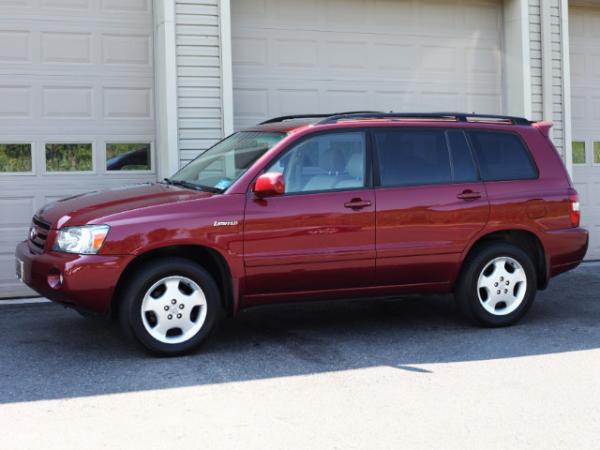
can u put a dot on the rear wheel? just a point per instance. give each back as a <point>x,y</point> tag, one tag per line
<point>170,306</point>
<point>498,285</point>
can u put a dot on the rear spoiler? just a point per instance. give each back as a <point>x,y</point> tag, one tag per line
<point>543,126</point>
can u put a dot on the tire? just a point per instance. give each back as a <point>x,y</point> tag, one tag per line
<point>497,286</point>
<point>170,306</point>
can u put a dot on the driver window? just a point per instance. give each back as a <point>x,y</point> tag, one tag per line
<point>323,163</point>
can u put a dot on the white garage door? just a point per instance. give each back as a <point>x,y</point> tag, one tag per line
<point>294,56</point>
<point>76,107</point>
<point>585,79</point>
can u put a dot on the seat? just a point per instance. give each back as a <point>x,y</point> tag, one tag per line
<point>331,163</point>
<point>355,170</point>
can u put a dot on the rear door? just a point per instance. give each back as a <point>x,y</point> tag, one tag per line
<point>319,235</point>
<point>430,203</point>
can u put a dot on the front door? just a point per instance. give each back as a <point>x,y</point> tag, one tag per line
<point>430,204</point>
<point>319,235</point>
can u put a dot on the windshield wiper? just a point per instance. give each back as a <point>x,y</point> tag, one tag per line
<point>196,187</point>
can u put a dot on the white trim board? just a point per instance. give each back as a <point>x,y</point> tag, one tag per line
<point>516,59</point>
<point>566,85</point>
<point>165,75</point>
<point>226,66</point>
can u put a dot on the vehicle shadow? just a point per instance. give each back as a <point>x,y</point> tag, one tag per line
<point>49,353</point>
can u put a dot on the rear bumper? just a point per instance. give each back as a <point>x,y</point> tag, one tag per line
<point>82,281</point>
<point>565,249</point>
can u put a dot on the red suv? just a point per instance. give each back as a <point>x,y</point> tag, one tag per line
<point>318,207</point>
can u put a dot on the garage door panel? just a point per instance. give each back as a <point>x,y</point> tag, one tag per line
<point>337,55</point>
<point>126,6</point>
<point>431,18</point>
<point>85,77</point>
<point>16,101</point>
<point>77,5</point>
<point>63,47</point>
<point>15,210</point>
<point>391,14</point>
<point>585,99</point>
<point>482,102</point>
<point>15,46</point>
<point>67,102</point>
<point>344,54</point>
<point>14,224</point>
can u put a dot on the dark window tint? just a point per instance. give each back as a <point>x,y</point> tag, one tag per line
<point>502,156</point>
<point>462,160</point>
<point>412,157</point>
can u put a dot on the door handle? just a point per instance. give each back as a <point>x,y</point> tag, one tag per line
<point>357,203</point>
<point>469,195</point>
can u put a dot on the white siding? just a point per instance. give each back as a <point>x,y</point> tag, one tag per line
<point>199,99</point>
<point>535,46</point>
<point>536,55</point>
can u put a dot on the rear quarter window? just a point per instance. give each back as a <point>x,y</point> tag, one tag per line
<point>502,156</point>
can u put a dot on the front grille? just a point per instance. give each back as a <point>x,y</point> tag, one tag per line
<point>38,235</point>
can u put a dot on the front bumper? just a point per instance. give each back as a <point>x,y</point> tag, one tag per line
<point>82,281</point>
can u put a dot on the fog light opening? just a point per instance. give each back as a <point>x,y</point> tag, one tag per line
<point>55,279</point>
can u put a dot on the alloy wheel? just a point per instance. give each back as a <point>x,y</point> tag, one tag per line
<point>502,286</point>
<point>174,309</point>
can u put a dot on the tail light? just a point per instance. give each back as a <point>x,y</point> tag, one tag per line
<point>574,212</point>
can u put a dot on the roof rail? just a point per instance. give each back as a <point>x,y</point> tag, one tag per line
<point>316,116</point>
<point>458,117</point>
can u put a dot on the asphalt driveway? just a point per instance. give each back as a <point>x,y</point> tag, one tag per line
<point>379,374</point>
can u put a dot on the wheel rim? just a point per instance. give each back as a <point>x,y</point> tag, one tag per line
<point>174,309</point>
<point>502,286</point>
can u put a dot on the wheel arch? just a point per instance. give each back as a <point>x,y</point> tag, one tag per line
<point>524,239</point>
<point>211,260</point>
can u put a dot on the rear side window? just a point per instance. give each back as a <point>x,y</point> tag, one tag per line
<point>502,156</point>
<point>412,157</point>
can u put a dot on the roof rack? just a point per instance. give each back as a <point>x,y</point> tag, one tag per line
<point>454,116</point>
<point>318,116</point>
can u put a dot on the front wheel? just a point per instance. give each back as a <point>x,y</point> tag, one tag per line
<point>498,285</point>
<point>170,306</point>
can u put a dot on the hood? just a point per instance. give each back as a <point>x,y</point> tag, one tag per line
<point>89,207</point>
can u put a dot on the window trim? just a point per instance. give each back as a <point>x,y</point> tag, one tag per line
<point>368,162</point>
<point>32,155</point>
<point>525,146</point>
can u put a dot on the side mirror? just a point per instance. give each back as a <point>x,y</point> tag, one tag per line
<point>269,184</point>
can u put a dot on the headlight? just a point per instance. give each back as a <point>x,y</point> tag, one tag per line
<point>86,240</point>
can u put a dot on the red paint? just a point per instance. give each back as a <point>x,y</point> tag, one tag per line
<point>372,241</point>
<point>269,184</point>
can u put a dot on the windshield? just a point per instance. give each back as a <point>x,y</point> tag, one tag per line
<point>218,167</point>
